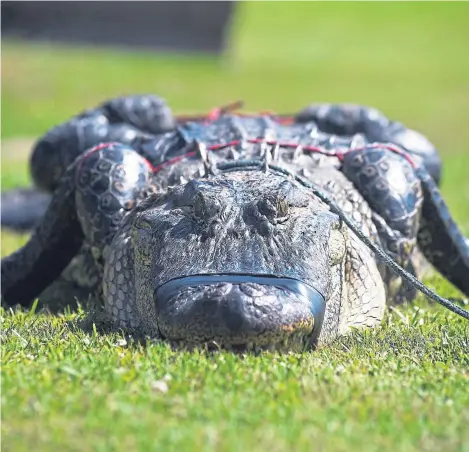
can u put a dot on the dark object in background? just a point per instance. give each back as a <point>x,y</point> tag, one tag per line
<point>155,25</point>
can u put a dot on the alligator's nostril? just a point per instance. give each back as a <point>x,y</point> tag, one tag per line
<point>252,290</point>
<point>232,309</point>
<point>232,316</point>
<point>265,228</point>
<point>220,289</point>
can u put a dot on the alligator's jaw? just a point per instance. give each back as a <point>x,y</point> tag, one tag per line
<point>239,312</point>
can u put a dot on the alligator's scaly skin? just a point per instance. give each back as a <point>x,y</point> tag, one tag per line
<point>154,211</point>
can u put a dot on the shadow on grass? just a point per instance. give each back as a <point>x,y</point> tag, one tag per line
<point>408,333</point>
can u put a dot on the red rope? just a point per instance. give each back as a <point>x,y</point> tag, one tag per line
<point>215,113</point>
<point>340,154</point>
<point>93,150</point>
<point>283,119</point>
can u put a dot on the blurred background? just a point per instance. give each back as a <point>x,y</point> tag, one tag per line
<point>408,59</point>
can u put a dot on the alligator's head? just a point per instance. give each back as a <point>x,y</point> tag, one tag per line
<point>241,260</point>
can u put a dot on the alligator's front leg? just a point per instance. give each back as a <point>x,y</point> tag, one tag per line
<point>110,179</point>
<point>344,119</point>
<point>88,207</point>
<point>51,247</point>
<point>78,283</point>
<point>440,239</point>
<point>409,211</point>
<point>392,189</point>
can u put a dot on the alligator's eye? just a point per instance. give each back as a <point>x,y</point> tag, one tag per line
<point>204,208</point>
<point>142,222</point>
<point>198,207</point>
<point>267,208</point>
<point>283,209</point>
<point>276,209</point>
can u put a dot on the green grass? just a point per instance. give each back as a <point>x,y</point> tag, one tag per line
<point>400,387</point>
<point>403,386</point>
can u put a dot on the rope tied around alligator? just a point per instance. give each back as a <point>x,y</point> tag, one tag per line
<point>259,164</point>
<point>196,148</point>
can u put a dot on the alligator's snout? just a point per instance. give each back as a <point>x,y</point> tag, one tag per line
<point>239,312</point>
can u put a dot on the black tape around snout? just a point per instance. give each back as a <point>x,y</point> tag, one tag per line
<point>317,301</point>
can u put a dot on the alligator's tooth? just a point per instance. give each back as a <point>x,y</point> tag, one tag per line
<point>275,152</point>
<point>201,150</point>
<point>316,158</point>
<point>265,155</point>
<point>297,153</point>
<point>313,131</point>
<point>358,140</point>
<point>232,153</point>
<point>244,145</point>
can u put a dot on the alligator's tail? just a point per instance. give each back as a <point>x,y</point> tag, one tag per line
<point>23,208</point>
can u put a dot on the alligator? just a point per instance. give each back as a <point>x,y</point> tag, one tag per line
<point>217,231</point>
